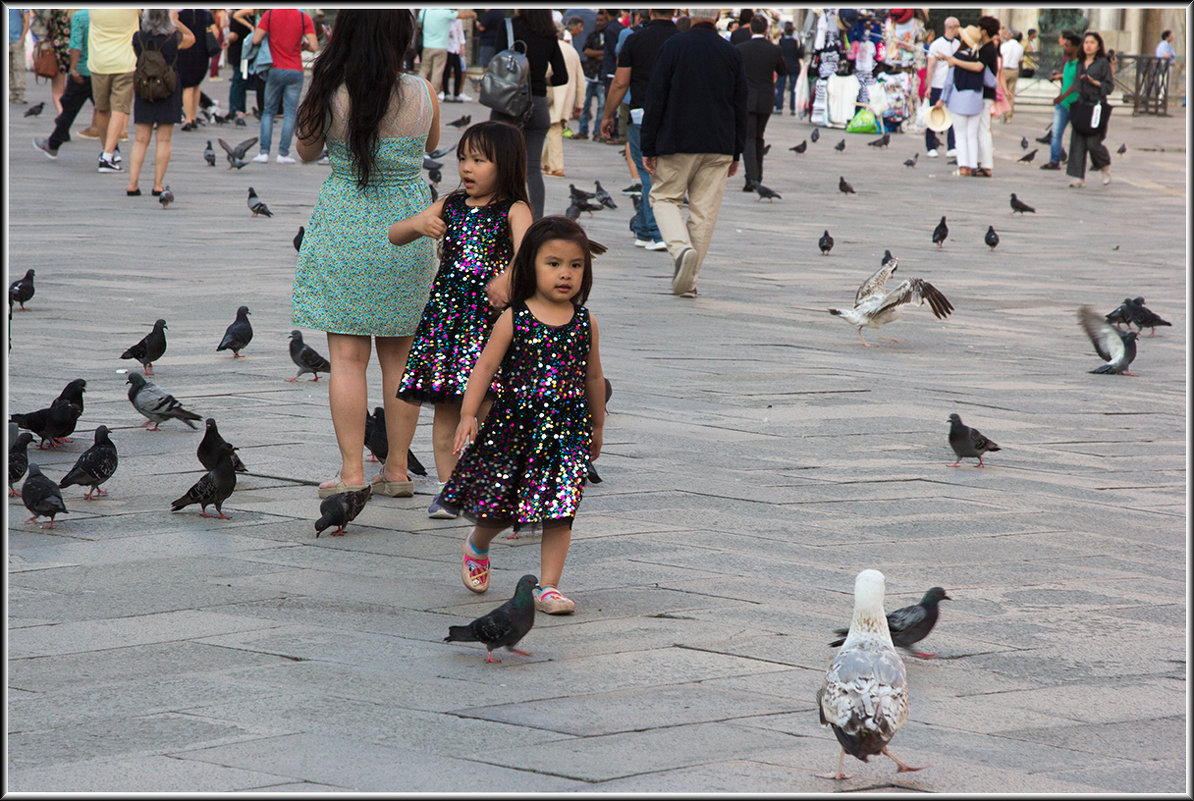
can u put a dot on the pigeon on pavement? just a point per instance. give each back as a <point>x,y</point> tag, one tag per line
<point>766,192</point>
<point>156,404</point>
<point>573,211</point>
<point>41,496</point>
<point>18,460</point>
<point>1028,157</point>
<point>236,155</point>
<point>912,161</point>
<point>214,488</point>
<point>238,334</point>
<point>911,624</point>
<point>1117,348</point>
<point>992,238</point>
<point>875,306</point>
<point>94,467</point>
<point>844,186</point>
<point>1122,149</point>
<point>379,445</point>
<point>815,135</point>
<point>306,358</point>
<point>209,155</point>
<point>443,151</point>
<point>840,146</point>
<point>166,197</point>
<point>73,393</point>
<point>864,697</point>
<point>967,441</point>
<point>52,425</point>
<point>580,194</point>
<point>35,110</point>
<point>461,122</point>
<point>150,348</point>
<point>298,239</point>
<point>21,290</point>
<point>341,509</point>
<point>1121,314</point>
<point>940,233</point>
<point>504,626</point>
<point>825,243</point>
<point>1145,317</point>
<point>800,148</point>
<point>882,141</point>
<point>1023,142</point>
<point>603,197</point>
<point>211,445</point>
<point>256,206</point>
<point>1020,206</point>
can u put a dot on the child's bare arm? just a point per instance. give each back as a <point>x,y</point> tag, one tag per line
<point>481,377</point>
<point>428,222</point>
<point>520,220</point>
<point>595,393</point>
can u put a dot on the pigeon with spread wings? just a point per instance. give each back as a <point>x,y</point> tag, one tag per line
<point>875,305</point>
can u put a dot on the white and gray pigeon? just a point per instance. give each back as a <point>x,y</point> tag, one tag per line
<point>209,155</point>
<point>875,306</point>
<point>967,441</point>
<point>95,466</point>
<point>167,197</point>
<point>236,155</point>
<point>151,347</point>
<point>306,358</point>
<point>1117,348</point>
<point>504,626</point>
<point>238,334</point>
<point>256,206</point>
<point>341,509</point>
<point>864,697</point>
<point>41,496</point>
<point>213,489</point>
<point>156,404</point>
<point>603,197</point>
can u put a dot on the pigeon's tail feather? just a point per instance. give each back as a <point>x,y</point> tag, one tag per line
<point>991,446</point>
<point>459,634</point>
<point>185,500</point>
<point>1105,368</point>
<point>841,635</point>
<point>836,312</point>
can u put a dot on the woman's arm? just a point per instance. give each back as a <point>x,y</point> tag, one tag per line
<point>433,134</point>
<point>310,144</point>
<point>188,38</point>
<point>972,66</point>
<point>428,222</point>
<point>481,377</point>
<point>595,393</point>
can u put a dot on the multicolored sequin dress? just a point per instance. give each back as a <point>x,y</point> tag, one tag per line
<point>527,463</point>
<point>456,323</point>
<point>349,278</point>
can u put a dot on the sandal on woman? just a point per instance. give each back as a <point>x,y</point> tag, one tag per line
<point>474,570</point>
<point>133,192</point>
<point>1106,177</point>
<point>392,489</point>
<point>553,602</point>
<point>339,486</point>
<point>1077,183</point>
<point>965,171</point>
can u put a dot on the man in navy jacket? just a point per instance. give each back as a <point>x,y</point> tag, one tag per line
<point>693,131</point>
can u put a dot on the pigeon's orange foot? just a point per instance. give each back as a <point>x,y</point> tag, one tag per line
<point>489,657</point>
<point>292,380</point>
<point>521,653</point>
<point>839,776</point>
<point>924,656</point>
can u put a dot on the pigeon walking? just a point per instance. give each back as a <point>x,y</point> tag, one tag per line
<point>886,258</point>
<point>1023,142</point>
<point>1122,149</point>
<point>461,122</point>
<point>1020,206</point>
<point>968,441</point>
<point>306,358</point>
<point>298,239</point>
<point>95,466</point>
<point>766,192</point>
<point>41,496</point>
<point>815,135</point>
<point>844,186</point>
<point>73,393</point>
<point>882,141</point>
<point>1145,317</point>
<point>150,348</point>
<point>940,233</point>
<point>864,697</point>
<point>572,212</point>
<point>840,146</point>
<point>504,626</point>
<point>18,460</point>
<point>912,161</point>
<point>35,110</point>
<point>800,148</point>
<point>875,306</point>
<point>212,445</point>
<point>167,197</point>
<point>1028,157</point>
<point>1116,348</point>
<point>52,425</point>
<point>1121,315</point>
<point>580,194</point>
<point>213,489</point>
<point>256,206</point>
<point>911,624</point>
<point>341,509</point>
<point>236,155</point>
<point>378,443</point>
<point>604,197</point>
<point>21,290</point>
<point>209,155</point>
<point>992,238</point>
<point>238,334</point>
<point>825,243</point>
<point>156,404</point>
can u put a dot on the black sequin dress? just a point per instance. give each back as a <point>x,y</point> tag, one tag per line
<point>527,463</point>
<point>458,318</point>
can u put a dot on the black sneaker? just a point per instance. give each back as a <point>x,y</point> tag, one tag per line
<point>1052,165</point>
<point>108,166</point>
<point>44,146</point>
<point>634,190</point>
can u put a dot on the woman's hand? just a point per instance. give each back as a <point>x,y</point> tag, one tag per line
<point>429,224</point>
<point>466,432</point>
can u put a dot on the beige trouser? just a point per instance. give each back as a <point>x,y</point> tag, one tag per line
<point>1010,76</point>
<point>16,71</point>
<point>553,148</point>
<point>431,66</point>
<point>703,176</point>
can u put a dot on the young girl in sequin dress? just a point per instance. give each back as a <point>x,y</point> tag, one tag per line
<point>481,225</point>
<point>526,464</point>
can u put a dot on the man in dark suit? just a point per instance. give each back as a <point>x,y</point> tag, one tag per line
<point>761,60</point>
<point>693,130</point>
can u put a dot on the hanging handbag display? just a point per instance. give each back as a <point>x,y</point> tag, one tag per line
<point>45,64</point>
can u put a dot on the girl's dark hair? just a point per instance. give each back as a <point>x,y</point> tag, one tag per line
<point>545,229</point>
<point>366,56</point>
<point>539,22</point>
<point>503,145</point>
<point>1102,53</point>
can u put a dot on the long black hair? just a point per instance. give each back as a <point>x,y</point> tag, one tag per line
<point>523,284</point>
<point>1101,51</point>
<point>502,144</point>
<point>539,22</point>
<point>365,55</point>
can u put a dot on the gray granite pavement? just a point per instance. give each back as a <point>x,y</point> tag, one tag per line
<point>756,458</point>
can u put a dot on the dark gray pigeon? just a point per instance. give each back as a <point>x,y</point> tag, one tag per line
<point>18,460</point>
<point>1122,314</point>
<point>209,155</point>
<point>825,243</point>
<point>1122,149</point>
<point>800,148</point>
<point>1023,142</point>
<point>256,206</point>
<point>431,164</point>
<point>443,151</point>
<point>461,122</point>
<point>41,496</point>
<point>991,238</point>
<point>211,446</point>
<point>844,186</point>
<point>236,155</point>
<point>378,442</point>
<point>21,290</point>
<point>35,110</point>
<point>882,141</point>
<point>840,146</point>
<point>766,192</point>
<point>73,393</point>
<point>1117,348</point>
<point>298,239</point>
<point>1020,206</point>
<point>968,441</point>
<point>1028,157</point>
<point>53,425</point>
<point>911,624</point>
<point>504,626</point>
<point>940,233</point>
<point>238,334</point>
<point>1145,317</point>
<point>306,358</point>
<point>912,161</point>
<point>214,488</point>
<point>604,197</point>
<point>150,348</point>
<point>815,135</point>
<point>579,194</point>
<point>156,404</point>
<point>573,211</point>
<point>341,509</point>
<point>167,197</point>
<point>95,466</point>
<point>886,258</point>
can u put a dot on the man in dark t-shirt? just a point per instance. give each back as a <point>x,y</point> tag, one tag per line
<point>487,26</point>
<point>594,53</point>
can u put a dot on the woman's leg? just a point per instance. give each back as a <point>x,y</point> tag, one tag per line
<point>347,396</point>
<point>57,87</point>
<point>553,550</point>
<point>161,155</point>
<point>535,132</point>
<point>190,102</point>
<point>401,416</point>
<point>141,134</point>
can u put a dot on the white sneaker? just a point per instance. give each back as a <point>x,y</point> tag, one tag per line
<point>953,151</point>
<point>440,96</point>
<point>462,97</point>
<point>649,245</point>
<point>261,158</point>
<point>932,153</point>
<point>284,159</point>
<point>640,243</point>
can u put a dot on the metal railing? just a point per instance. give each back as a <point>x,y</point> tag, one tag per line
<point>1144,81</point>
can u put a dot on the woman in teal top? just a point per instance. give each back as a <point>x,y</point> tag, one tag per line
<point>350,281</point>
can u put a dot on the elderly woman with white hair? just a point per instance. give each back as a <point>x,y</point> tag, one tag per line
<point>160,30</point>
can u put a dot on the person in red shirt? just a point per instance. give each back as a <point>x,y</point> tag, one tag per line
<point>290,32</point>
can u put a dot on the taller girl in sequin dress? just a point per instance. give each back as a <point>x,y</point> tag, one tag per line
<point>481,225</point>
<point>526,464</point>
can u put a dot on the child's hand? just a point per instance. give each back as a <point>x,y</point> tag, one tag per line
<point>466,432</point>
<point>429,224</point>
<point>595,447</point>
<point>498,291</point>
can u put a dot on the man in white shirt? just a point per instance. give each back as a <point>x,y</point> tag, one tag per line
<point>937,67</point>
<point>1165,46</point>
<point>1013,53</point>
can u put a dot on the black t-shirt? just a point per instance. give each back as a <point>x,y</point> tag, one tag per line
<point>988,54</point>
<point>610,62</point>
<point>793,53</point>
<point>234,48</point>
<point>491,20</point>
<point>639,52</point>
<point>592,66</point>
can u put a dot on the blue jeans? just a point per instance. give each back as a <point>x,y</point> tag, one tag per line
<point>1061,118</point>
<point>593,91</point>
<point>931,140</point>
<point>237,90</point>
<point>779,89</point>
<point>643,222</point>
<point>287,84</point>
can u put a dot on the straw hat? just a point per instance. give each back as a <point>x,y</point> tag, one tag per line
<point>972,35</point>
<point>939,119</point>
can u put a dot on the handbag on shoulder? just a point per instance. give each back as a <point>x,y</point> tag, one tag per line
<point>45,65</point>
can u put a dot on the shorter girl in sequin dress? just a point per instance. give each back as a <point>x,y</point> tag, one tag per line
<point>526,464</point>
<point>481,225</point>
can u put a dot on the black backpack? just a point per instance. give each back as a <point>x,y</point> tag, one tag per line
<point>506,85</point>
<point>154,79</point>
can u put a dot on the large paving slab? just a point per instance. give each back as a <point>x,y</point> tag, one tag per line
<point>756,458</point>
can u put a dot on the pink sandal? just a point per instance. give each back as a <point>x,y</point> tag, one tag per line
<point>474,571</point>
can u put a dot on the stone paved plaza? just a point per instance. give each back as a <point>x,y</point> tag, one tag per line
<point>757,457</point>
